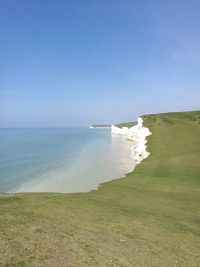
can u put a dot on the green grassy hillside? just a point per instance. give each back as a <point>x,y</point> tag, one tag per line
<point>149,218</point>
<point>126,124</point>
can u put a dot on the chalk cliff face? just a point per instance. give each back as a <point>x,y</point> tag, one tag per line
<point>137,133</point>
<point>124,131</point>
<point>116,130</point>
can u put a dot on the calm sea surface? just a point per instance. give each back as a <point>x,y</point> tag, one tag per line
<point>61,160</point>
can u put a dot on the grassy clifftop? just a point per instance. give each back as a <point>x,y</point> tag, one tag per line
<point>149,218</point>
<point>127,124</point>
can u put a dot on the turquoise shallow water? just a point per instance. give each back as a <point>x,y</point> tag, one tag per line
<point>61,160</point>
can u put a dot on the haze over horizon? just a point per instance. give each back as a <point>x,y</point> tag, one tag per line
<point>73,63</point>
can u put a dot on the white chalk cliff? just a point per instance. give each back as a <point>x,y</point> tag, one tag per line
<point>138,134</point>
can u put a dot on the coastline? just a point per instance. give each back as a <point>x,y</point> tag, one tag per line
<point>137,134</point>
<point>101,160</point>
<point>133,138</point>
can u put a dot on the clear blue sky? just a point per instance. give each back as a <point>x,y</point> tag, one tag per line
<point>76,62</point>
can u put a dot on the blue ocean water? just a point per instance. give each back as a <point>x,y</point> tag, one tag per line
<point>61,160</point>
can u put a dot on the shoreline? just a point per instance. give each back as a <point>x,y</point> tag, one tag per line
<point>101,160</point>
<point>137,134</point>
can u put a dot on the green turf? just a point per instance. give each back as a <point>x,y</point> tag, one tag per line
<point>126,124</point>
<point>149,218</point>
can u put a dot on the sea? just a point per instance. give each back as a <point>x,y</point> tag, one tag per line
<point>61,159</point>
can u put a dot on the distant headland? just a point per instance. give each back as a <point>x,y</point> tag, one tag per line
<point>100,126</point>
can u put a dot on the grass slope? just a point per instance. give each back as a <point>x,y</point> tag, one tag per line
<point>149,218</point>
<point>126,124</point>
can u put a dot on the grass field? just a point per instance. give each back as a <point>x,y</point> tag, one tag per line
<point>149,218</point>
<point>126,124</point>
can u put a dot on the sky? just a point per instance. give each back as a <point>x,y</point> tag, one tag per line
<point>76,62</point>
